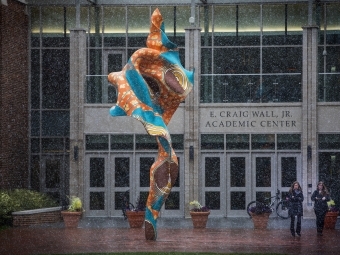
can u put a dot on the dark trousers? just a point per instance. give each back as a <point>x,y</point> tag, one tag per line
<point>320,220</point>
<point>298,224</point>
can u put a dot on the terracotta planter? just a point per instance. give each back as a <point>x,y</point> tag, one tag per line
<point>71,219</point>
<point>260,220</point>
<point>136,219</point>
<point>330,220</point>
<point>199,219</point>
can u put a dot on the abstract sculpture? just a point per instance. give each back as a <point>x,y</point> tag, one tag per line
<point>150,88</point>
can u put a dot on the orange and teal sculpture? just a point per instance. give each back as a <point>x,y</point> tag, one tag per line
<point>150,88</point>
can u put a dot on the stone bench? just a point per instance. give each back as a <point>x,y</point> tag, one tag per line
<point>36,216</point>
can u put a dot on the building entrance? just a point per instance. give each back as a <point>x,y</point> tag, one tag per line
<point>110,178</point>
<point>232,180</point>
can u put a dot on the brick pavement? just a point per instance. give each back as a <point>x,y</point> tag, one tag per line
<point>118,237</point>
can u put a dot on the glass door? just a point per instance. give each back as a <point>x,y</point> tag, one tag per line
<point>212,175</point>
<point>55,177</point>
<point>97,202</point>
<point>289,170</point>
<point>122,181</point>
<point>142,177</point>
<point>264,177</point>
<point>238,184</point>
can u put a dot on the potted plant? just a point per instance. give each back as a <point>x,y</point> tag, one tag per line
<point>260,215</point>
<point>136,214</point>
<point>72,215</point>
<point>199,214</point>
<point>332,215</point>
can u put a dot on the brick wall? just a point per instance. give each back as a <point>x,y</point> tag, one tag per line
<point>26,220</point>
<point>13,95</point>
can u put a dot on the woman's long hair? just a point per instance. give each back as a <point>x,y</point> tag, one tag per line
<point>324,190</point>
<point>292,187</point>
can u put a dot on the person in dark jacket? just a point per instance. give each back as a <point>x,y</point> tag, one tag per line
<point>320,197</point>
<point>295,198</point>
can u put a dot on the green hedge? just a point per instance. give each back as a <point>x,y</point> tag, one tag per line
<point>21,199</point>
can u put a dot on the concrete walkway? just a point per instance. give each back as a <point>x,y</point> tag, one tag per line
<point>222,235</point>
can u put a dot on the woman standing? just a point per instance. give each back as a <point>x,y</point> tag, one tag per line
<point>295,198</point>
<point>320,197</point>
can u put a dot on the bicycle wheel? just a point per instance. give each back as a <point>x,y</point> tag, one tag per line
<point>250,205</point>
<point>282,210</point>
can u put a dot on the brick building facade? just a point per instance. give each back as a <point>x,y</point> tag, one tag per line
<point>14,93</point>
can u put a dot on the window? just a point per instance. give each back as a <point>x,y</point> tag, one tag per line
<point>55,79</point>
<point>213,200</point>
<point>115,27</point>
<point>138,25</point>
<point>289,142</point>
<point>177,141</point>
<point>329,141</point>
<point>214,142</point>
<point>288,171</point>
<point>237,200</point>
<point>146,142</point>
<point>122,172</point>
<point>237,142</point>
<point>263,142</point>
<point>97,142</point>
<point>328,52</point>
<point>97,172</point>
<point>237,172</point>
<point>55,123</point>
<point>122,142</point>
<point>257,71</point>
<point>329,161</point>
<point>329,74</point>
<point>212,172</point>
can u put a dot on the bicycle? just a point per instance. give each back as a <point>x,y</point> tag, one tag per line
<point>282,206</point>
<point>126,205</point>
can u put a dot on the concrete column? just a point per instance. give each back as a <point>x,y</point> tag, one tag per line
<point>191,123</point>
<point>77,82</point>
<point>309,121</point>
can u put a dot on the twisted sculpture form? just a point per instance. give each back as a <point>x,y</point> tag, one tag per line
<point>150,88</point>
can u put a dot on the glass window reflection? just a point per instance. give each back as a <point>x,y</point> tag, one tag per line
<point>288,171</point>
<point>212,171</point>
<point>237,172</point>
<point>237,200</point>
<point>213,200</point>
<point>97,172</point>
<point>115,26</point>
<point>122,172</point>
<point>212,141</point>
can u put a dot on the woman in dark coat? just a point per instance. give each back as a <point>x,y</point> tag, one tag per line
<point>320,197</point>
<point>295,198</point>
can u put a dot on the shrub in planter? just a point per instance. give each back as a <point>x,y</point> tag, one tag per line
<point>72,215</point>
<point>20,200</point>
<point>332,215</point>
<point>260,214</point>
<point>136,214</point>
<point>199,214</point>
